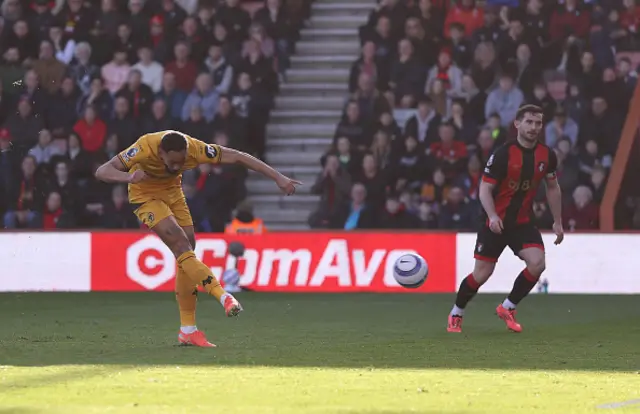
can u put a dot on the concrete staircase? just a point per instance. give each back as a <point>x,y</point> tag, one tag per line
<point>308,109</point>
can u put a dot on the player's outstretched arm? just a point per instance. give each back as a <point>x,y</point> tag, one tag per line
<point>232,156</point>
<point>114,171</point>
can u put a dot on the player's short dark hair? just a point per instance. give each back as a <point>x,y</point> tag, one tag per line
<point>528,109</point>
<point>173,141</point>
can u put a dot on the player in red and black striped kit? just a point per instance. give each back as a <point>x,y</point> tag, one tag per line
<point>509,184</point>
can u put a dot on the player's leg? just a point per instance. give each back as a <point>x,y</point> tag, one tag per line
<point>489,247</point>
<point>187,297</point>
<point>528,245</point>
<point>211,284</point>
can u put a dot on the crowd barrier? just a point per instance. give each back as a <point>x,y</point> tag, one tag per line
<point>305,262</point>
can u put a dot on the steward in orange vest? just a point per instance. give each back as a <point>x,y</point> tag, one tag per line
<point>245,222</point>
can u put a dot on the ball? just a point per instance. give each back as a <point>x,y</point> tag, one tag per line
<point>410,271</point>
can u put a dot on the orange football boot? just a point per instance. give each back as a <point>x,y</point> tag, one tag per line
<point>231,306</point>
<point>196,338</point>
<point>509,317</point>
<point>455,323</point>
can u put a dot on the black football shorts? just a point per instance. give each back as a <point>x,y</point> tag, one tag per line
<point>489,245</point>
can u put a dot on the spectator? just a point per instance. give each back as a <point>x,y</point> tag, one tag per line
<point>350,160</point>
<point>436,189</point>
<point>527,72</point>
<point>77,19</point>
<point>450,154</point>
<point>582,213</point>
<point>372,104</point>
<point>44,150</point>
<point>220,70</point>
<point>456,213</point>
<point>260,68</point>
<point>126,42</point>
<point>9,163</point>
<point>203,96</point>
<point>138,95</point>
<point>252,106</point>
<point>615,91</point>
<point>24,126</point>
<point>484,67</point>
<point>41,17</point>
<point>357,213</point>
<point>438,96</point>
<point>424,46</point>
<point>568,173</point>
<point>490,31</point>
<point>568,19</point>
<point>447,72</point>
<point>235,19</point>
<point>182,67</point>
<point>63,184</point>
<point>466,129</point>
<point>264,42</point>
<point>115,73</point>
<point>174,98</point>
<point>467,14</point>
<point>160,44</point>
<point>588,75</point>
<point>601,125</point>
<point>461,50</point>
<point>63,114</point>
<point>352,126</point>
<point>427,216</point>
<point>122,123</point>
<point>333,185</point>
<point>424,124</point>
<point>99,98</point>
<point>411,164</point>
<point>63,45</point>
<point>54,215</point>
<point>111,146</point>
<point>381,149</point>
<point>24,198</point>
<point>49,70</point>
<point>152,72</point>
<point>35,94</point>
<point>575,104</point>
<point>172,16</point>
<point>276,21</point>
<point>407,76</point>
<point>91,130</point>
<point>368,63</point>
<point>22,39</point>
<point>486,144</point>
<point>541,98</point>
<point>385,43</point>
<point>117,212</point>
<point>504,100</point>
<point>373,180</point>
<point>196,125</point>
<point>11,71</point>
<point>197,44</point>
<point>597,183</point>
<point>159,119</point>
<point>469,182</point>
<point>229,123</point>
<point>561,127</point>
<point>395,216</point>
<point>79,159</point>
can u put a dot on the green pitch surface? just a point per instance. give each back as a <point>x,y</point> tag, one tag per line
<point>117,353</point>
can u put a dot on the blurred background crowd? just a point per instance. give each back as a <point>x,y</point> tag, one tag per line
<point>82,80</point>
<point>434,91</point>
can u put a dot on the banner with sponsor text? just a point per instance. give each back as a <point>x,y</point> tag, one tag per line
<point>306,262</point>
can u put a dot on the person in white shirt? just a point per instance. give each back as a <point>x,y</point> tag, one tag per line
<point>152,71</point>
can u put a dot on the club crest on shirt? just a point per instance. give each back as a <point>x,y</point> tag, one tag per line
<point>480,246</point>
<point>150,218</point>
<point>211,152</point>
<point>541,166</point>
<point>131,152</point>
<point>490,161</point>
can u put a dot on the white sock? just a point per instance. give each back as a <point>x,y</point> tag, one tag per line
<point>457,311</point>
<point>188,329</point>
<point>223,298</point>
<point>508,304</point>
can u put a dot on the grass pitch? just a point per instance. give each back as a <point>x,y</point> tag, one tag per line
<point>117,353</point>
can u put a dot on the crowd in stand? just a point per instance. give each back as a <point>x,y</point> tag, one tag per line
<point>82,80</point>
<point>436,89</point>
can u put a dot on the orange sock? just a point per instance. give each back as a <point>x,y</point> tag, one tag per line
<point>199,273</point>
<point>187,296</point>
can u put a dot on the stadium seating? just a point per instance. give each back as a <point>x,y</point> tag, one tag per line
<point>417,76</point>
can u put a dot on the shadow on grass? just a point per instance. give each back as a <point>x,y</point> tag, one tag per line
<point>595,333</point>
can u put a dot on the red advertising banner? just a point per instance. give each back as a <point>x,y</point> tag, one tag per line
<point>277,262</point>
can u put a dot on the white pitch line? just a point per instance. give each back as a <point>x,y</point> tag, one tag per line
<point>620,404</point>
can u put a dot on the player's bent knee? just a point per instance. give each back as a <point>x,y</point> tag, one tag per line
<point>483,271</point>
<point>536,266</point>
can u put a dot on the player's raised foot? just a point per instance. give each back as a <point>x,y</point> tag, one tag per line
<point>196,338</point>
<point>231,306</point>
<point>509,317</point>
<point>455,323</point>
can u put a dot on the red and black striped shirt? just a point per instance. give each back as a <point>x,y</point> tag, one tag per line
<point>517,172</point>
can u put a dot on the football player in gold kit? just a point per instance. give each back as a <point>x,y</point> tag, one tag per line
<point>153,168</point>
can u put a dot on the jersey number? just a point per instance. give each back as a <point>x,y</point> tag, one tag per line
<point>524,185</point>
